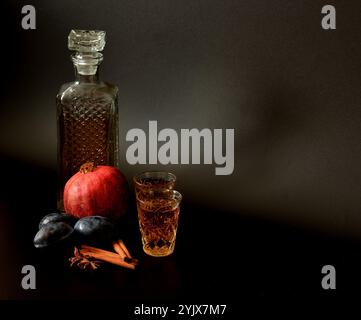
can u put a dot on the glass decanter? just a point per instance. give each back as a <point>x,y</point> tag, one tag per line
<point>87,111</point>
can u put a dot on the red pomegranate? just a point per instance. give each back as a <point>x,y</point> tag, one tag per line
<point>96,190</point>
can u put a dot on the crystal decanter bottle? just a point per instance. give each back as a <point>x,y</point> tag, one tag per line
<point>87,111</point>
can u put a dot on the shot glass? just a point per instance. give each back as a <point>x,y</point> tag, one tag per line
<point>152,181</point>
<point>158,214</point>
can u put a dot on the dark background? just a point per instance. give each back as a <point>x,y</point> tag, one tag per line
<point>289,88</point>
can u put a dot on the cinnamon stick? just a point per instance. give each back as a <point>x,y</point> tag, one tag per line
<point>124,248</point>
<point>109,259</point>
<point>97,250</point>
<point>120,250</point>
<point>106,256</point>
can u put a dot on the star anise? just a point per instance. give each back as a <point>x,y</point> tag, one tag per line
<point>84,262</point>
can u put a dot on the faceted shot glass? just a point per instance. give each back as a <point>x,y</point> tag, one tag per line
<point>152,181</point>
<point>158,206</point>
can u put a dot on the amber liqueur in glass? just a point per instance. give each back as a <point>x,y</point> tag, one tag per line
<point>87,111</point>
<point>158,216</point>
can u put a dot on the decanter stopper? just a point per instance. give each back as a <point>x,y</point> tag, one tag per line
<point>86,40</point>
<point>86,44</point>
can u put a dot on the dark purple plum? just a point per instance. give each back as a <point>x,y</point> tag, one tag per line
<point>57,217</point>
<point>95,229</point>
<point>52,233</point>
